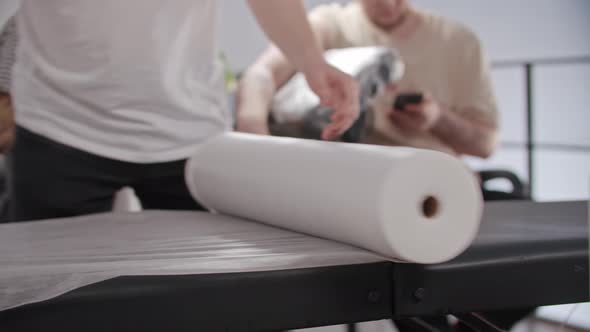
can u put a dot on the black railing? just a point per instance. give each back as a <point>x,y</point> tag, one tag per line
<point>530,145</point>
<point>566,60</point>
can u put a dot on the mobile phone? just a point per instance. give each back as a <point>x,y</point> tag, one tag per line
<point>405,99</point>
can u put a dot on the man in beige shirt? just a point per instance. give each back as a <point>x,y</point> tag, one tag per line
<point>444,61</point>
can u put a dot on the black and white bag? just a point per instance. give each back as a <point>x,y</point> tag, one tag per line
<point>296,110</point>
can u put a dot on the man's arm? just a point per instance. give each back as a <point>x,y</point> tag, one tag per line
<point>286,24</point>
<point>466,136</point>
<point>7,126</point>
<point>265,76</point>
<point>257,87</point>
<point>471,127</point>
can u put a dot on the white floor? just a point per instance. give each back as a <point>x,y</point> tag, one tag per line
<point>573,315</point>
<point>564,318</point>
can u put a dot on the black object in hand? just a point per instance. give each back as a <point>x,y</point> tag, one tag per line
<point>408,98</point>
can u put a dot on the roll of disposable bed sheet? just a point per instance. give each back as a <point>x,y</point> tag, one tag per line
<point>405,204</point>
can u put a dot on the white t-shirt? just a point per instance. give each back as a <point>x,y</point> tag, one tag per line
<point>131,80</point>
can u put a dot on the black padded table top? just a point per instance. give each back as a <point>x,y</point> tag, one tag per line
<point>527,254</point>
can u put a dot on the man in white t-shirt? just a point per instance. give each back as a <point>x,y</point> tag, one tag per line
<point>116,93</point>
<point>443,60</point>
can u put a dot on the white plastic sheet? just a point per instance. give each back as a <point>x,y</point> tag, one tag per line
<point>42,260</point>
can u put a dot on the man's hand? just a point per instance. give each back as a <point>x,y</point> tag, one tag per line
<point>285,23</point>
<point>7,125</point>
<point>335,89</point>
<point>338,91</point>
<point>418,117</point>
<point>466,136</point>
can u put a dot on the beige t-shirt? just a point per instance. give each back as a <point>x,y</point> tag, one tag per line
<point>442,57</point>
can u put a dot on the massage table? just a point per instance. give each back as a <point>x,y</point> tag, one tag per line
<point>527,254</point>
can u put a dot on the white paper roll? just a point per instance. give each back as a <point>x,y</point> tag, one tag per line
<point>405,204</point>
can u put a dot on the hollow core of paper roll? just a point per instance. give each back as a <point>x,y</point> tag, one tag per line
<point>430,206</point>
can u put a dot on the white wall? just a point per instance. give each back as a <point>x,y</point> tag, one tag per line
<point>508,29</point>
<point>7,7</point>
<point>524,28</point>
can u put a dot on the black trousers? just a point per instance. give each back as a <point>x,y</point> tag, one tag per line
<point>51,180</point>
